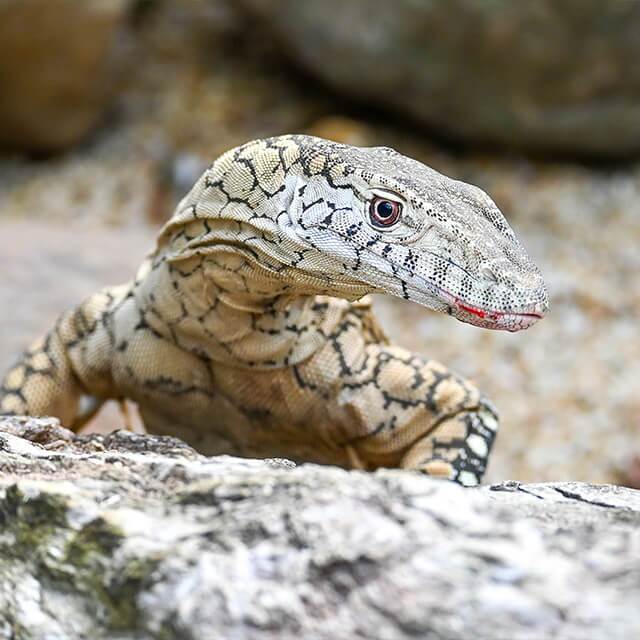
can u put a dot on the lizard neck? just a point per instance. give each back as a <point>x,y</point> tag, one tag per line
<point>224,309</point>
<point>228,280</point>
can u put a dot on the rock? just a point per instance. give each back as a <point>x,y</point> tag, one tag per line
<point>550,75</point>
<point>134,536</point>
<point>56,69</point>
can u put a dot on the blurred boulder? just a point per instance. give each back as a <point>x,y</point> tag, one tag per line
<point>550,75</point>
<point>56,69</point>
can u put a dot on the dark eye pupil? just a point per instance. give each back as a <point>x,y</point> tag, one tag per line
<point>385,209</point>
<point>384,213</point>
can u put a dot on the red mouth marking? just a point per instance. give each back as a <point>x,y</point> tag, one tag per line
<point>473,310</point>
<point>492,315</point>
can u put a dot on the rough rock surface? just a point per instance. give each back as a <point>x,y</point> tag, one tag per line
<point>544,75</point>
<point>128,536</point>
<point>56,69</point>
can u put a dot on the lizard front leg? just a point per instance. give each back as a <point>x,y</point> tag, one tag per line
<point>68,364</point>
<point>416,414</point>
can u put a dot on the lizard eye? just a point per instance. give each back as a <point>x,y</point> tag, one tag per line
<point>384,212</point>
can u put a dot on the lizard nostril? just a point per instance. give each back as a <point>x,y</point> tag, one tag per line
<point>489,274</point>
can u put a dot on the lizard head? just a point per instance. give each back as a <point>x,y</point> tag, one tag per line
<point>374,216</point>
<point>328,218</point>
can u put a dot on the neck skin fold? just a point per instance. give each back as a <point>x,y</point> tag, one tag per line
<point>222,284</point>
<point>222,308</point>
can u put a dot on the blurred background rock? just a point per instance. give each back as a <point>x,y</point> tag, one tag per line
<point>110,109</point>
<point>552,75</point>
<point>57,69</point>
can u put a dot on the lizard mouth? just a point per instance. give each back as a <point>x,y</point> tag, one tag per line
<point>506,320</point>
<point>500,320</point>
<point>484,318</point>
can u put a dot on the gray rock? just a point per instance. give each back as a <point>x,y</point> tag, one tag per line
<point>57,69</point>
<point>552,75</point>
<point>128,536</point>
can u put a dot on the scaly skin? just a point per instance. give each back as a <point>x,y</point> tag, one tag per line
<point>246,330</point>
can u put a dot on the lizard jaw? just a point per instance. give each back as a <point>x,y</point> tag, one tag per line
<point>497,320</point>
<point>465,312</point>
<point>511,321</point>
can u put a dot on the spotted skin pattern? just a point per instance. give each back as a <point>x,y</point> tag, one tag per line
<point>248,329</point>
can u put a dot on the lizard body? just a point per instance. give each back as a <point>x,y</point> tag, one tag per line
<point>247,330</point>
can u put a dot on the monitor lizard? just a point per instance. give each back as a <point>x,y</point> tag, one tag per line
<point>248,329</point>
